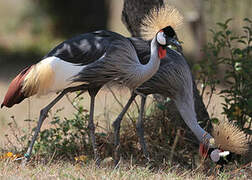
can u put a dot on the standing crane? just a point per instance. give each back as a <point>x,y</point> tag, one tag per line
<point>87,62</point>
<point>173,80</point>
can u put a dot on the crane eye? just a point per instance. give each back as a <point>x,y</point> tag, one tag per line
<point>161,38</point>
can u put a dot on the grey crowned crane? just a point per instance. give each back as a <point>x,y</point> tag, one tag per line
<point>173,80</point>
<point>85,63</point>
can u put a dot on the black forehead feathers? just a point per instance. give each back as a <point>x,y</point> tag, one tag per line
<point>169,31</point>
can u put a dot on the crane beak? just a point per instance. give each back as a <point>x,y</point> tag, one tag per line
<point>174,42</point>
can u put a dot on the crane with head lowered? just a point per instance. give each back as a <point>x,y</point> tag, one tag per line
<point>173,79</point>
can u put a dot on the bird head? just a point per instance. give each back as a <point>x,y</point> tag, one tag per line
<point>227,139</point>
<point>162,21</point>
<point>217,155</point>
<point>167,37</point>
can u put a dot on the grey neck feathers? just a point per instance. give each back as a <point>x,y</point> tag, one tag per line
<point>149,69</point>
<point>185,105</point>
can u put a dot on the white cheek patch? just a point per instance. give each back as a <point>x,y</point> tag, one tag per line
<point>224,154</point>
<point>160,38</point>
<point>215,155</point>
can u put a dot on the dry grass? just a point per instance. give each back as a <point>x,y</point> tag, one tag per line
<point>66,170</point>
<point>185,164</point>
<point>106,111</point>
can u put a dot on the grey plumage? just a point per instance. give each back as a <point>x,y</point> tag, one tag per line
<point>108,56</point>
<point>173,76</point>
<point>104,57</point>
<point>173,79</point>
<point>85,48</point>
<point>120,63</point>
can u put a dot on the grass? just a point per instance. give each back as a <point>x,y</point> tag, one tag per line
<point>134,165</point>
<point>20,44</point>
<point>127,171</point>
<point>60,170</point>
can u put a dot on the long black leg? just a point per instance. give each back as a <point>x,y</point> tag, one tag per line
<point>140,129</point>
<point>91,126</point>
<point>43,114</point>
<point>116,125</point>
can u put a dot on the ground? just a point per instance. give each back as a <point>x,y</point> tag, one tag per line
<point>106,110</point>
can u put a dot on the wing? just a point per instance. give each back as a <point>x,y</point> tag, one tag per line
<point>118,63</point>
<point>85,48</point>
<point>56,70</point>
<point>142,49</point>
<point>171,79</point>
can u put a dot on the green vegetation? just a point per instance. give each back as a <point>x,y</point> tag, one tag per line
<point>35,29</point>
<point>67,138</point>
<point>233,53</point>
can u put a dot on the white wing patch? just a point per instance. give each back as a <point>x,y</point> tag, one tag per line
<point>52,74</point>
<point>63,73</point>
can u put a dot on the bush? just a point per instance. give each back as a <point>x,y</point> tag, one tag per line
<point>233,51</point>
<point>66,137</point>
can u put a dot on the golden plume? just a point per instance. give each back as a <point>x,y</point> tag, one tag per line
<point>159,18</point>
<point>38,80</point>
<point>229,137</point>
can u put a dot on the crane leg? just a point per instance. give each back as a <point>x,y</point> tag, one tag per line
<point>116,125</point>
<point>91,126</point>
<point>140,130</point>
<point>43,114</point>
<point>139,93</point>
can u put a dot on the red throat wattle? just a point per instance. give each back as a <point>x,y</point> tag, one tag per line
<point>161,52</point>
<point>203,150</point>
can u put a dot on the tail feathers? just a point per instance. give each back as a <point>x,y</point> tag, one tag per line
<point>15,94</point>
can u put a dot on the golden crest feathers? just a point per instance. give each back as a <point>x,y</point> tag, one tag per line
<point>229,137</point>
<point>159,18</point>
